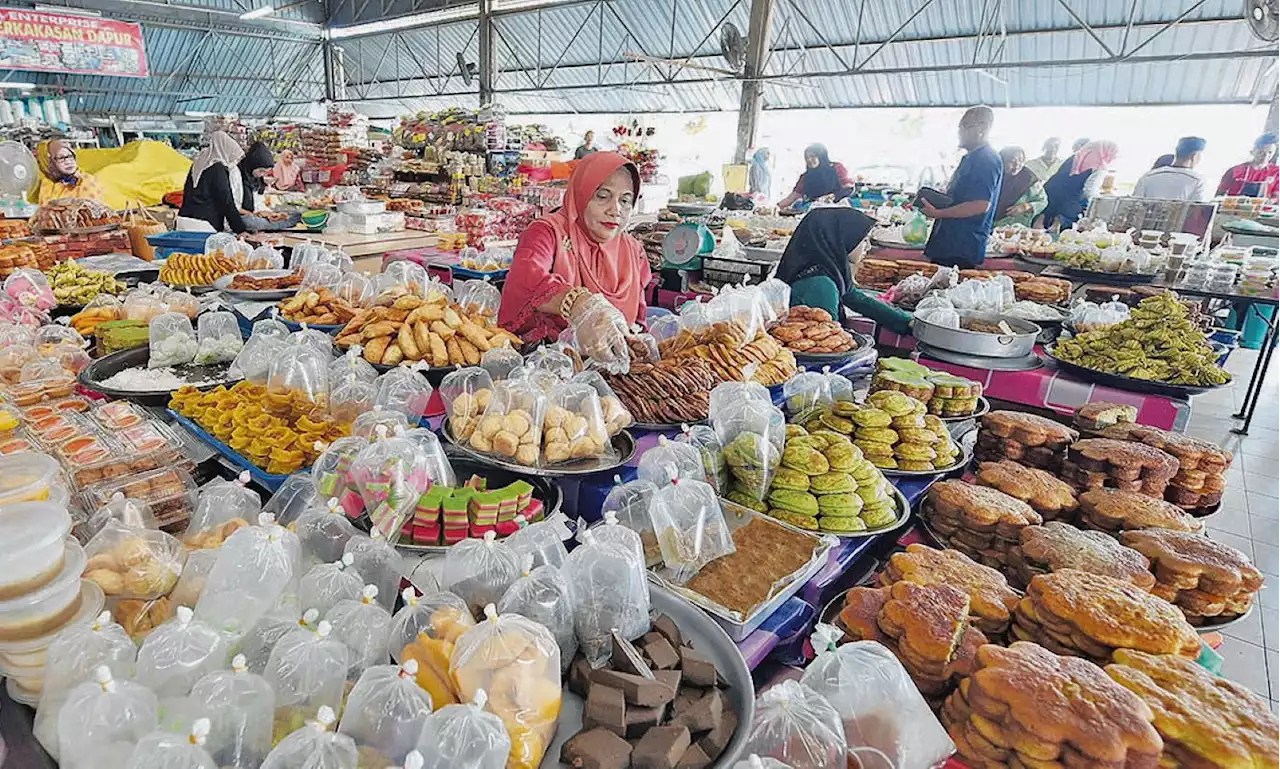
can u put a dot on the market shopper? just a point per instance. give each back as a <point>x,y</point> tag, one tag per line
<point>1178,180</point>
<point>214,193</point>
<point>759,177</point>
<point>286,174</point>
<point>577,262</point>
<point>256,165</point>
<point>960,230</point>
<point>1258,177</point>
<point>587,147</point>
<point>1044,166</point>
<point>821,178</point>
<point>60,174</point>
<point>1021,193</point>
<point>1076,183</point>
<point>819,260</point>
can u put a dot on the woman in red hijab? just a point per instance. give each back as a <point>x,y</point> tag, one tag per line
<point>576,267</point>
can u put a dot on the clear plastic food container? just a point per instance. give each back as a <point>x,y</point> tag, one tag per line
<point>57,429</point>
<point>18,443</point>
<point>10,419</point>
<point>86,449</point>
<point>25,477</point>
<point>169,491</point>
<point>29,652</point>
<point>119,415</point>
<point>20,695</point>
<point>124,462</point>
<point>32,536</point>
<point>49,607</point>
<point>149,436</point>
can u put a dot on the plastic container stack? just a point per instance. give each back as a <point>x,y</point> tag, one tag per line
<point>40,564</point>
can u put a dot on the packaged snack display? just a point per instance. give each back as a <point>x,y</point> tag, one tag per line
<point>379,564</point>
<point>307,670</point>
<point>172,340</point>
<point>363,626</point>
<point>479,571</point>
<point>616,416</point>
<point>404,389</point>
<point>630,503</point>
<point>517,663</point>
<point>795,725</point>
<point>385,712</point>
<point>605,598</point>
<point>670,461</point>
<point>179,653</point>
<point>239,705</point>
<point>26,478</point>
<point>501,363</point>
<point>390,475</point>
<point>542,541</point>
<point>325,584</point>
<point>323,532</point>
<point>261,640</point>
<point>805,391</point>
<point>542,595</point>
<point>313,746</point>
<point>331,474</point>
<point>133,563</point>
<point>728,393</point>
<point>477,297</point>
<point>711,452</point>
<point>690,527</point>
<point>511,427</point>
<point>753,437</point>
<point>368,424</point>
<point>466,393</point>
<point>440,615</point>
<point>218,338</point>
<point>609,531</point>
<point>354,289</point>
<point>574,426</point>
<point>464,737</point>
<point>170,493</point>
<point>32,546</point>
<point>167,750</point>
<point>438,470</point>
<point>349,399</point>
<point>223,508</point>
<point>103,720</point>
<point>433,647</point>
<point>256,565</point>
<point>298,379</point>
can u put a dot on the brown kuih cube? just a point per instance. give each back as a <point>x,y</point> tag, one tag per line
<point>596,749</point>
<point>660,748</point>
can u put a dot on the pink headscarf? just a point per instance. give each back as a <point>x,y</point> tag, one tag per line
<point>286,171</point>
<point>1094,155</point>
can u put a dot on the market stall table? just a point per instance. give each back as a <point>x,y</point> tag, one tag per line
<point>365,250</point>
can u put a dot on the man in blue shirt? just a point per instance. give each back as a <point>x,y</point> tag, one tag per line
<point>959,237</point>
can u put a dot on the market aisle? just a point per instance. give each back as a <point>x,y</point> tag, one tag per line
<point>1250,520</point>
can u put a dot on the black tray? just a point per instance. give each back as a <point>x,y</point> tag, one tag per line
<point>863,345</point>
<point>1039,261</point>
<point>1127,382</point>
<point>1108,278</point>
<point>112,364</point>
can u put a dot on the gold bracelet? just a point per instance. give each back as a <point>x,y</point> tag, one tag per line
<point>570,298</point>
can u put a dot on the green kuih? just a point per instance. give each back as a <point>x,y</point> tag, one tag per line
<point>794,501</point>
<point>841,505</point>
<point>806,522</point>
<point>806,459</point>
<point>832,483</point>
<point>844,524</point>
<point>786,478</point>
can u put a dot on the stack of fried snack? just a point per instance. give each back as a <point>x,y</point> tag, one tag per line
<point>991,600</point>
<point>979,521</point>
<point>925,626</point>
<point>1057,545</point>
<point>1093,418</point>
<point>197,269</point>
<point>1048,496</point>
<point>1027,707</point>
<point>810,330</point>
<point>1025,438</point>
<point>1200,480</point>
<point>317,306</point>
<point>943,394</point>
<point>825,484</point>
<point>1097,462</point>
<point>410,328</point>
<point>666,392</point>
<point>725,347</point>
<point>1038,288</point>
<point>1205,720</point>
<point>1088,615</point>
<point>878,273</point>
<point>893,431</point>
<point>1207,580</point>
<point>1113,511</point>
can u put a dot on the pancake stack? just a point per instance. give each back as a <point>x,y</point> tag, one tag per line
<point>1025,438</point>
<point>979,521</point>
<point>991,600</point>
<point>1200,480</point>
<point>1053,499</point>
<point>1027,707</point>
<point>1207,580</point>
<point>1113,511</point>
<point>1056,546</point>
<point>1087,615</point>
<point>1097,462</point>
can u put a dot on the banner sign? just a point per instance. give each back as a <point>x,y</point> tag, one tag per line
<point>82,45</point>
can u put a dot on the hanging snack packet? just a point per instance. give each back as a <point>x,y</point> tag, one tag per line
<point>351,398</point>
<point>753,437</point>
<point>172,341</point>
<point>839,385</point>
<point>690,527</point>
<point>314,746</point>
<point>103,720</point>
<point>795,725</point>
<point>255,567</point>
<point>218,338</point>
<point>323,532</point>
<point>179,653</point>
<point>298,380</point>
<point>391,475</point>
<point>629,503</point>
<point>222,508</point>
<point>385,712</point>
<point>253,362</point>
<point>167,750</point>
<point>501,362</point>
<point>362,625</point>
<point>326,584</point>
<point>479,571</point>
<point>436,616</point>
<point>354,289</point>
<point>433,645</point>
<point>616,416</point>
<point>806,391</point>
<point>465,393</point>
<point>574,426</point>
<point>438,469</point>
<point>517,663</point>
<point>542,541</point>
<point>378,563</point>
<point>464,737</point>
<point>367,425</point>
<point>133,563</point>
<point>511,427</point>
<point>240,706</point>
<point>605,598</point>
<point>477,297</point>
<point>551,361</point>
<point>542,595</point>
<point>406,390</point>
<point>332,474</point>
<point>670,461</point>
<point>711,452</point>
<point>351,366</point>
<point>264,257</point>
<point>729,393</point>
<point>307,670</point>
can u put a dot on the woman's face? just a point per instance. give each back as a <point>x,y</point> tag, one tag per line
<point>63,159</point>
<point>610,207</point>
<point>810,160</point>
<point>1014,163</point>
<point>287,157</point>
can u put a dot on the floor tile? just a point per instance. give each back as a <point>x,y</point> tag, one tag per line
<point>1263,529</point>
<point>1270,619</point>
<point>1268,485</point>
<point>1232,519</point>
<point>1266,558</point>
<point>1264,464</point>
<point>1260,504</point>
<point>1269,596</point>
<point>1246,664</point>
<point>1243,544</point>
<point>1249,629</point>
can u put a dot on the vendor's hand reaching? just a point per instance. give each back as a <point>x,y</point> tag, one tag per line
<point>927,208</point>
<point>601,332</point>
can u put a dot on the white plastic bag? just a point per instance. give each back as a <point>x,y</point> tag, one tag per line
<point>307,670</point>
<point>605,598</point>
<point>222,508</point>
<point>103,720</point>
<point>690,527</point>
<point>179,653</point>
<point>464,737</point>
<point>255,567</point>
<point>261,640</point>
<point>479,571</point>
<point>795,725</point>
<point>542,595</point>
<point>406,390</point>
<point>327,583</point>
<point>378,563</point>
<point>217,338</point>
<point>711,452</point>
<point>629,502</point>
<point>240,706</point>
<point>426,614</point>
<point>610,531</point>
<point>363,626</point>
<point>323,532</point>
<point>670,461</point>
<point>385,712</point>
<point>167,750</point>
<point>172,340</point>
<point>313,746</point>
<point>542,541</point>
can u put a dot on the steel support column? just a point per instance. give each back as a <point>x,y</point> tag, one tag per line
<point>752,100</point>
<point>488,59</point>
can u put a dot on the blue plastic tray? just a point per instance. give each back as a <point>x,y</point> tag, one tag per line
<point>463,272</point>
<point>178,242</point>
<point>264,478</point>
<point>326,329</point>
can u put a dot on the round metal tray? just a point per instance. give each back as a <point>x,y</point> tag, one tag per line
<point>624,446</point>
<point>660,427</point>
<point>902,518</point>
<point>1109,278</point>
<point>103,368</point>
<point>965,442</point>
<point>898,244</point>
<point>863,345</point>
<point>259,296</point>
<point>1130,383</point>
<point>984,406</point>
<point>79,230</point>
<point>1018,344</point>
<point>1025,363</point>
<point>1211,627</point>
<point>1040,261</point>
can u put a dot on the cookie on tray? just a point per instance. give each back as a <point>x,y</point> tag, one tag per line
<point>1096,417</point>
<point>1123,460</point>
<point>1048,496</point>
<point>1191,453</point>
<point>981,508</point>
<point>1114,510</point>
<point>1028,429</point>
<point>1057,545</point>
<point>991,600</point>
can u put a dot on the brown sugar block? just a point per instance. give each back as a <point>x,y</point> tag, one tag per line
<point>580,676</point>
<point>703,715</point>
<point>715,741</point>
<point>596,749</point>
<point>660,748</point>
<point>659,651</point>
<point>636,690</point>
<point>1191,561</point>
<point>1057,545</point>
<point>671,678</point>
<point>694,758</point>
<point>697,669</point>
<point>641,720</point>
<point>667,627</point>
<point>627,658</point>
<point>606,708</point>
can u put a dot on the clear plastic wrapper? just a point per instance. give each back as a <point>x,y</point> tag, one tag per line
<point>133,563</point>
<point>552,361</point>
<point>479,571</point>
<point>665,327</point>
<point>363,626</point>
<point>690,527</point>
<point>13,357</point>
<point>133,513</point>
<point>191,584</point>
<point>778,295</point>
<point>256,565</point>
<point>368,424</point>
<point>261,640</point>
<point>307,669</point>
<point>795,725</point>
<point>403,277</point>
<point>325,584</point>
<point>465,394</point>
<point>477,297</point>
<point>878,704</point>
<point>753,436</point>
<point>711,452</point>
<point>433,646</point>
<point>511,427</point>
<point>405,390</point>
<point>616,416</point>
<point>438,469</point>
<point>103,720</point>
<point>629,503</point>
<point>295,495</point>
<point>806,391</point>
<point>440,616</point>
<point>354,289</point>
<point>605,598</point>
<point>385,712</point>
<point>319,276</point>
<point>323,532</point>
<point>223,508</point>
<point>464,737</point>
<point>391,475</point>
<point>516,662</point>
<point>182,302</point>
<point>574,426</point>
<point>254,360</point>
<point>542,595</point>
<point>52,335</point>
<point>351,398</point>
<point>601,332</point>
<point>172,340</point>
<point>501,362</point>
<point>168,750</point>
<point>179,653</point>
<point>351,366</point>
<point>264,257</point>
<point>611,532</point>
<point>839,386</point>
<point>217,338</point>
<point>670,461</point>
<point>314,746</point>
<point>298,379</point>
<point>317,340</point>
<point>729,393</point>
<point>543,541</point>
<point>378,563</point>
<point>331,475</point>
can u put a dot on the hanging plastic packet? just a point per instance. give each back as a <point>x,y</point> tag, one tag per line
<point>240,706</point>
<point>179,653</point>
<point>313,746</point>
<point>542,595</point>
<point>795,725</point>
<point>616,416</point>
<point>133,513</point>
<point>500,362</point>
<point>368,424</point>
<point>670,461</point>
<point>255,567</point>
<point>318,276</point>
<point>362,625</point>
<point>711,452</point>
<point>167,750</point>
<point>307,670</point>
<point>103,720</point>
<point>317,340</point>
<point>294,496</point>
<point>517,663</point>
<point>839,386</point>
<point>438,469</point>
<point>690,527</point>
<point>222,508</point>
<point>133,563</point>
<point>172,341</point>
<point>479,571</point>
<point>605,598</point>
<point>354,289</point>
<point>404,389</point>
<point>253,362</point>
<point>778,295</point>
<point>806,391</point>
<point>464,737</point>
<point>440,616</point>
<point>391,475</point>
<point>351,366</point>
<point>351,398</point>
<point>629,503</point>
<point>753,437</point>
<point>511,427</point>
<point>385,712</point>
<point>325,584</point>
<point>552,361</point>
<point>543,541</point>
<point>378,563</point>
<point>298,381</point>
<point>465,394</point>
<point>331,475</point>
<point>218,338</point>
<point>323,532</point>
<point>477,297</point>
<point>574,426</point>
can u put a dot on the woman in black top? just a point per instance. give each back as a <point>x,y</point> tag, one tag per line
<point>215,188</point>
<point>255,164</point>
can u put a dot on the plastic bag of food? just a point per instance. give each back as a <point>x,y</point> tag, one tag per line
<point>351,398</point>
<point>379,564</point>
<point>103,720</point>
<point>464,737</point>
<point>294,496</point>
<point>317,276</point>
<point>218,338</point>
<point>240,705</point>
<point>543,541</point>
<point>690,526</point>
<point>133,513</point>
<point>264,257</point>
<point>391,475</point>
<point>325,584</point>
<point>307,669</point>
<point>878,704</point>
<point>778,294</point>
<point>616,416</point>
<point>752,436</point>
<point>403,277</point>
<point>601,331</point>
<point>479,571</point>
<point>795,725</point>
<point>512,425</point>
<point>298,379</point>
<point>74,655</point>
<point>477,297</point>
<point>50,336</point>
<point>323,532</point>
<point>405,390</point>
<point>839,385</point>
<point>313,746</point>
<point>254,360</point>
<point>172,340</point>
<point>13,358</point>
<point>806,391</point>
<point>182,302</point>
<point>542,595</point>
<point>670,461</point>
<point>362,625</point>
<point>168,750</point>
<point>941,316</point>
<point>368,424</point>
<point>704,439</point>
<point>729,393</point>
<point>517,663</point>
<point>385,712</point>
<point>179,653</point>
<point>351,366</point>
<point>574,426</point>
<point>439,616</point>
<point>133,563</point>
<point>465,394</point>
<point>261,640</point>
<point>354,289</point>
<point>438,469</point>
<point>629,504</point>
<point>551,361</point>
<point>222,508</point>
<point>331,475</point>
<point>605,598</point>
<point>500,362</point>
<point>256,565</point>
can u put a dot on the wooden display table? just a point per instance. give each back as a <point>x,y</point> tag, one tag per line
<point>365,250</point>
